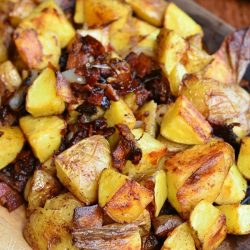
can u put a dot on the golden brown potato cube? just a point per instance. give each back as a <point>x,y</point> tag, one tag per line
<point>144,223</point>
<point>170,50</point>
<point>44,134</point>
<point>42,99</point>
<point>237,218</point>
<point>147,114</point>
<point>9,76</point>
<point>234,188</point>
<point>124,200</point>
<point>3,51</point>
<point>143,28</point>
<point>151,11</point>
<point>182,123</point>
<point>130,100</point>
<point>99,13</point>
<point>244,158</point>
<point>119,112</point>
<point>197,173</point>
<point>153,152</point>
<point>47,224</point>
<point>48,17</point>
<point>209,226</point>
<point>37,50</point>
<point>179,21</point>
<point>79,12</point>
<point>11,144</point>
<point>41,187</point>
<point>79,167</point>
<point>179,238</point>
<point>157,183</point>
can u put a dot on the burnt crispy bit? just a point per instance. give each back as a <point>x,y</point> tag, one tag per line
<point>9,198</point>
<point>88,216</point>
<point>150,242</point>
<point>126,149</point>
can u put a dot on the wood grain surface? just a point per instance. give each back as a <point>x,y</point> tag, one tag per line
<point>235,12</point>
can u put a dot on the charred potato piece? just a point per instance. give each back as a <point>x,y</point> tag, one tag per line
<point>41,187</point>
<point>237,218</point>
<point>197,173</point>
<point>47,224</point>
<point>170,50</point>
<point>234,188</point>
<point>113,236</point>
<point>152,153</point>
<point>179,238</point>
<point>9,76</point>
<point>182,123</point>
<point>79,167</point>
<point>42,99</point>
<point>177,20</point>
<point>151,11</point>
<point>244,158</point>
<point>44,134</point>
<point>165,224</point>
<point>124,200</point>
<point>11,144</point>
<point>209,225</point>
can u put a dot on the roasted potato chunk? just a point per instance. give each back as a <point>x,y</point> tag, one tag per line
<point>151,11</point>
<point>11,144</point>
<point>170,50</point>
<point>3,51</point>
<point>42,99</point>
<point>44,134</point>
<point>244,158</point>
<point>209,225</point>
<point>144,223</point>
<point>182,123</point>
<point>234,188</point>
<point>152,153</point>
<point>124,200</point>
<point>197,173</point>
<point>237,218</point>
<point>41,187</point>
<point>47,224</point>
<point>179,238</point>
<point>79,12</point>
<point>9,76</point>
<point>80,166</point>
<point>177,20</point>
<point>157,183</point>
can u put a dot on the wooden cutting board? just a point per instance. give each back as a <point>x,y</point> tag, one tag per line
<point>11,227</point>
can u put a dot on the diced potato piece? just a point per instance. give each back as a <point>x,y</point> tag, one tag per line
<point>209,226</point>
<point>101,34</point>
<point>99,13</point>
<point>3,51</point>
<point>42,99</point>
<point>130,100</point>
<point>179,21</point>
<point>157,182</point>
<point>152,153</point>
<point>179,238</point>
<point>80,166</point>
<point>175,78</point>
<point>49,166</point>
<point>197,173</point>
<point>143,28</point>
<point>11,144</point>
<point>237,218</point>
<point>161,111</point>
<point>195,59</point>
<point>244,158</point>
<point>195,41</point>
<point>124,200</point>
<point>151,11</point>
<point>47,224</point>
<point>144,223</point>
<point>41,187</point>
<point>79,12</point>
<point>37,50</point>
<point>47,17</point>
<point>119,112</point>
<point>43,134</point>
<point>184,124</point>
<point>9,76</point>
<point>147,114</point>
<point>234,188</point>
<point>170,50</point>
